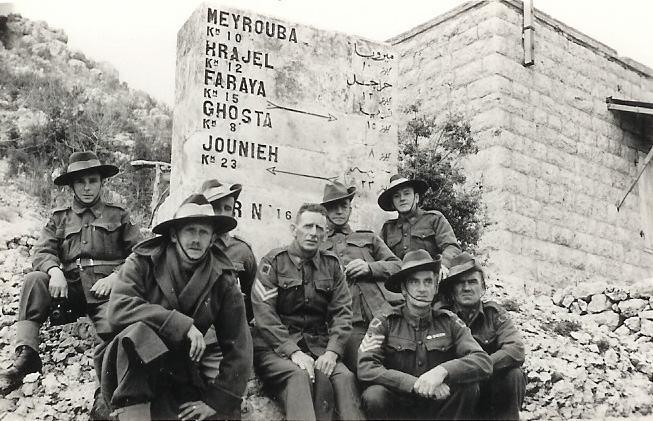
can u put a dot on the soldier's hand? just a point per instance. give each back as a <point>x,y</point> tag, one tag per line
<point>429,384</point>
<point>102,287</point>
<point>58,286</point>
<point>357,268</point>
<point>326,362</point>
<point>305,362</point>
<point>444,272</point>
<point>197,344</point>
<point>196,410</point>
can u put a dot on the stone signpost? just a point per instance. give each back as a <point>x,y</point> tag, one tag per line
<point>282,109</point>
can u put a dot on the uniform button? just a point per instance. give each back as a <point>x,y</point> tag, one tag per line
<point>328,288</point>
<point>306,300</point>
<point>405,247</point>
<point>85,225</point>
<point>399,347</point>
<point>406,235</point>
<point>84,241</point>
<point>420,342</point>
<point>419,363</point>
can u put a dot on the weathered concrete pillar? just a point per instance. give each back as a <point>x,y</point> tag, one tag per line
<point>281,108</point>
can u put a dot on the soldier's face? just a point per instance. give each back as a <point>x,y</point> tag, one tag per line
<point>194,238</point>
<point>468,289</point>
<point>309,231</point>
<point>224,206</point>
<point>404,199</point>
<point>87,186</point>
<point>339,212</point>
<point>419,288</point>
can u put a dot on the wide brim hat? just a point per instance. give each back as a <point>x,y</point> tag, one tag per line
<point>398,182</point>
<point>80,162</point>
<point>460,264</point>
<point>214,190</point>
<point>337,191</point>
<point>196,208</point>
<point>414,261</point>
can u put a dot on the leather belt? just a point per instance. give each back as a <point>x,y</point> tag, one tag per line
<point>81,263</point>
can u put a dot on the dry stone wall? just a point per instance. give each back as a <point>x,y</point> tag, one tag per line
<point>553,160</point>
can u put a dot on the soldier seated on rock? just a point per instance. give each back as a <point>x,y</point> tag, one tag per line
<point>420,363</point>
<point>503,393</point>
<point>171,289</point>
<point>75,263</point>
<point>415,228</point>
<point>367,262</point>
<point>302,310</point>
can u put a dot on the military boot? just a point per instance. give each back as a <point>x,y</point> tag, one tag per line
<point>27,361</point>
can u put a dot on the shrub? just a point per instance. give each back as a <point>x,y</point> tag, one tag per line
<point>435,153</point>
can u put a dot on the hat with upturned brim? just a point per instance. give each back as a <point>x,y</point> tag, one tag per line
<point>414,261</point>
<point>80,162</point>
<point>337,191</point>
<point>214,190</point>
<point>196,208</point>
<point>460,264</point>
<point>397,182</point>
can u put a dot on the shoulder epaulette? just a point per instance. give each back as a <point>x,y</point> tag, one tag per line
<point>275,252</point>
<point>390,221</point>
<point>433,212</point>
<point>329,254</point>
<point>60,209</point>
<point>114,205</point>
<point>242,241</point>
<point>388,311</point>
<point>494,305</point>
<point>444,311</point>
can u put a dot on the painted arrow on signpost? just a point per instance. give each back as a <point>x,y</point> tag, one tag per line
<point>272,106</point>
<point>274,171</point>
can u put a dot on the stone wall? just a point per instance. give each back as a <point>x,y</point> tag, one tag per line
<point>553,160</point>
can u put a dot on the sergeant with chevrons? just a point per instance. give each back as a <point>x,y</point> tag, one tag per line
<point>302,311</point>
<point>415,228</point>
<point>420,363</point>
<point>367,263</point>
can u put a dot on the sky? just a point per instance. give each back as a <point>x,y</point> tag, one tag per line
<point>138,37</point>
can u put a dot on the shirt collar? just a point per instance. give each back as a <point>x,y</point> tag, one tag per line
<point>298,257</point>
<point>466,316</point>
<point>416,321</point>
<point>97,208</point>
<point>418,214</point>
<point>224,240</point>
<point>346,229</point>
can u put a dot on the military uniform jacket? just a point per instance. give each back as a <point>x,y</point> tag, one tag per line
<point>149,291</point>
<point>368,294</point>
<point>399,347</point>
<point>428,230</point>
<point>494,330</point>
<point>295,300</point>
<point>103,232</point>
<point>242,257</point>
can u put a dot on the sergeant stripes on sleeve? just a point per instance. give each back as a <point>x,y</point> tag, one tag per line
<point>263,293</point>
<point>371,342</point>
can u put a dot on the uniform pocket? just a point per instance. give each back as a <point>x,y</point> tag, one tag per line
<point>107,235</point>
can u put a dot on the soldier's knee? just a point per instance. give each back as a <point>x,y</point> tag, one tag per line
<point>510,380</point>
<point>36,278</point>
<point>374,398</point>
<point>298,377</point>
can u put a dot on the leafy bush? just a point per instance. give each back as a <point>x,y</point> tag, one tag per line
<point>435,153</point>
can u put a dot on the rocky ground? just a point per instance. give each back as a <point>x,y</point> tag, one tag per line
<point>577,366</point>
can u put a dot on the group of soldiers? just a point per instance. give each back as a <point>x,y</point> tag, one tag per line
<point>339,324</point>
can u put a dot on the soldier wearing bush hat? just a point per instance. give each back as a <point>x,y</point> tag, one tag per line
<point>367,262</point>
<point>420,363</point>
<point>171,290</point>
<point>415,228</point>
<point>503,393</point>
<point>75,261</point>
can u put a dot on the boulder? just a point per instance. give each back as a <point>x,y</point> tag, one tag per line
<point>616,293</point>
<point>646,328</point>
<point>633,323</point>
<point>607,318</point>
<point>632,307</point>
<point>585,290</point>
<point>599,304</point>
<point>642,289</point>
